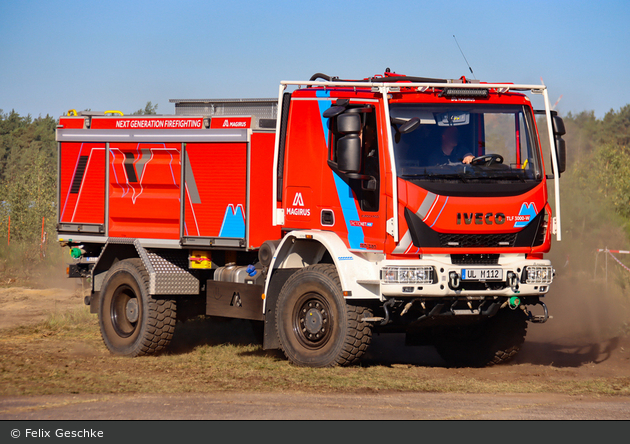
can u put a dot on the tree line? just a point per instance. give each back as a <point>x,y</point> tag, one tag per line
<point>28,164</point>
<point>598,157</point>
<point>595,192</point>
<point>28,176</point>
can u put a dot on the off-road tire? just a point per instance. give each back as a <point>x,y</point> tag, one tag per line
<point>316,327</point>
<point>493,341</point>
<point>132,322</point>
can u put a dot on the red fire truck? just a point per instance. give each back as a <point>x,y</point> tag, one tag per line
<point>388,204</point>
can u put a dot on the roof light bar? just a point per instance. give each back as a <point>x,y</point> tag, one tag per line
<point>464,92</point>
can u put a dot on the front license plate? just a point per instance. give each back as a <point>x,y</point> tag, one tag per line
<point>482,274</point>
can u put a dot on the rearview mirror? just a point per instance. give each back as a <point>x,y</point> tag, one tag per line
<point>349,123</point>
<point>334,111</point>
<point>410,125</point>
<point>561,153</point>
<point>349,154</point>
<point>558,126</point>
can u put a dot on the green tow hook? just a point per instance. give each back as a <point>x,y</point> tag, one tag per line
<point>76,252</point>
<point>514,302</point>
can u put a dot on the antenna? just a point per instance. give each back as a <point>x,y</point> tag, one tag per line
<point>460,50</point>
<point>559,98</point>
<point>555,104</point>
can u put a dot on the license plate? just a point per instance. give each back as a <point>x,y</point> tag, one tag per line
<point>482,274</point>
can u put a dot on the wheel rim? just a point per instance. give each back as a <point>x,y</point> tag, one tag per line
<point>312,321</point>
<point>125,311</point>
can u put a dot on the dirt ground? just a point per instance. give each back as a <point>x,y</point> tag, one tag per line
<point>585,340</point>
<point>586,337</point>
<point>25,306</point>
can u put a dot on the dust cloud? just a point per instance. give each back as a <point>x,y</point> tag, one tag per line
<point>53,275</point>
<point>588,303</point>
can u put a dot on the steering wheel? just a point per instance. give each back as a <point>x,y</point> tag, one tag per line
<point>487,160</point>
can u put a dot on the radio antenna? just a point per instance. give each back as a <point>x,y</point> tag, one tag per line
<point>460,50</point>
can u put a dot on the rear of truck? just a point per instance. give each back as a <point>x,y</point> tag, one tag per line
<point>164,215</point>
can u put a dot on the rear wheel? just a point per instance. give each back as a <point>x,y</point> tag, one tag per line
<point>493,341</point>
<point>132,322</point>
<point>316,327</point>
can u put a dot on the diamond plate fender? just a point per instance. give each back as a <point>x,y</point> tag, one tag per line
<point>168,271</point>
<point>167,268</point>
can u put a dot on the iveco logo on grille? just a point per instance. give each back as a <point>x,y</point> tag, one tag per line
<point>481,218</point>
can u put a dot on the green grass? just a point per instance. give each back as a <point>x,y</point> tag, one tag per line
<point>64,354</point>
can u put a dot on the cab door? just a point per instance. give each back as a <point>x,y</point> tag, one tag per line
<point>354,162</point>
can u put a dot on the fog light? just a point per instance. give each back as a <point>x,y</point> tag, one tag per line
<point>538,274</point>
<point>407,275</point>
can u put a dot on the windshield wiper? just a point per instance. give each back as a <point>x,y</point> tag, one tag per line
<point>513,175</point>
<point>432,176</point>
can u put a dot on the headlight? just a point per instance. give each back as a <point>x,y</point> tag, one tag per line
<point>407,275</point>
<point>537,274</point>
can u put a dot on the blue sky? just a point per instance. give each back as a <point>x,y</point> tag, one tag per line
<point>103,55</point>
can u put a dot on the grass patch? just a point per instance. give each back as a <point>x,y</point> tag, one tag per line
<point>70,320</point>
<point>73,324</point>
<point>64,354</point>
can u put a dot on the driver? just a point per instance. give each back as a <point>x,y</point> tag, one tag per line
<point>450,150</point>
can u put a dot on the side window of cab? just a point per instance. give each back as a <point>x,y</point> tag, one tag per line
<point>353,150</point>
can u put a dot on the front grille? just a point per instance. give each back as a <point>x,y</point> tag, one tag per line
<point>474,259</point>
<point>477,240</point>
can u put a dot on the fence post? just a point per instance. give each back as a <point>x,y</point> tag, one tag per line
<point>43,240</point>
<point>595,269</point>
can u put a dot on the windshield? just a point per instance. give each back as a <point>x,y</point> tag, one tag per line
<point>465,142</point>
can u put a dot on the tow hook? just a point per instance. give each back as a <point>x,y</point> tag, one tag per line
<point>382,320</point>
<point>514,302</point>
<point>512,279</point>
<point>539,319</point>
<point>453,280</point>
<point>388,303</point>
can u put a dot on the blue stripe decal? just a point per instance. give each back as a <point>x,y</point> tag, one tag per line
<point>350,213</point>
<point>323,106</point>
<point>346,198</point>
<point>527,209</point>
<point>233,222</point>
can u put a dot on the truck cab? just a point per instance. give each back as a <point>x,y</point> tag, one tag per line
<point>430,197</point>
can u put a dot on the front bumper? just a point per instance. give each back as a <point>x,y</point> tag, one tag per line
<point>437,277</point>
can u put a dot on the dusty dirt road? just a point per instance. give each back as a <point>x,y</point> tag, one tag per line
<point>582,342</point>
<point>308,406</point>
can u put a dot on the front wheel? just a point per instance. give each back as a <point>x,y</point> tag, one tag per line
<point>132,322</point>
<point>493,341</point>
<point>316,327</point>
